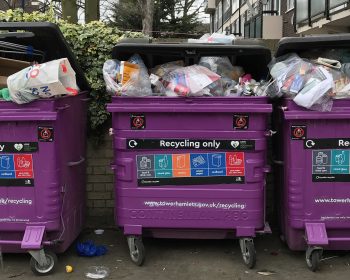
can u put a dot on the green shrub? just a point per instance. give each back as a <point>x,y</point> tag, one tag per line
<point>92,44</point>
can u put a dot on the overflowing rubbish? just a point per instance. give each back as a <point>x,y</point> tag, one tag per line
<point>212,76</point>
<point>89,249</point>
<point>312,84</point>
<point>97,272</point>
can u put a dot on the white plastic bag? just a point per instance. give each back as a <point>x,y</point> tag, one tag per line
<point>216,38</point>
<point>46,80</point>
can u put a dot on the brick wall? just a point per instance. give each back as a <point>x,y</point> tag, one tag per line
<point>100,183</point>
<point>288,28</point>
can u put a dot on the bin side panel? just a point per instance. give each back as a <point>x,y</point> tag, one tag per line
<point>317,176</point>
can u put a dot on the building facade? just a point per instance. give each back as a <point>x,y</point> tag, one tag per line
<point>267,19</point>
<point>321,16</point>
<point>27,5</point>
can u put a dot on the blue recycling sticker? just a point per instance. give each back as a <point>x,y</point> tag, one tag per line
<point>7,163</point>
<point>217,160</point>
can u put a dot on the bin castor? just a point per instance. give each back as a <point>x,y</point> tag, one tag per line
<point>248,252</point>
<point>137,250</point>
<point>313,258</point>
<point>50,261</point>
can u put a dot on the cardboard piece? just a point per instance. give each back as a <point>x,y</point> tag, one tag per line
<point>9,67</point>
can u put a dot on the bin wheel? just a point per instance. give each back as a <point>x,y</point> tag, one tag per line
<point>313,259</point>
<point>51,259</point>
<point>248,252</point>
<point>137,250</point>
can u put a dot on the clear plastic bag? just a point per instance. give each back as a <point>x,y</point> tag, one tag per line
<point>163,69</point>
<point>309,85</point>
<point>315,95</point>
<point>194,80</point>
<point>341,87</point>
<point>222,66</point>
<point>138,83</point>
<point>159,71</point>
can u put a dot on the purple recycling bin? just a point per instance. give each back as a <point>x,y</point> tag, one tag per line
<point>42,177</point>
<point>314,179</point>
<point>312,162</point>
<point>190,168</point>
<point>42,164</point>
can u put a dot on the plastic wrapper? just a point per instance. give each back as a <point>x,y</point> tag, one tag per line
<point>194,80</point>
<point>97,272</point>
<point>138,82</point>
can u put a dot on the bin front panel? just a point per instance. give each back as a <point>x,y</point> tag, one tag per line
<point>189,169</point>
<point>29,183</point>
<point>42,165</point>
<point>317,169</point>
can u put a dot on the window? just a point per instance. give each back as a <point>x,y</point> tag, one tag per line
<point>226,5</point>
<point>242,25</point>
<point>235,5</point>
<point>290,4</point>
<point>276,5</point>
<point>219,10</point>
<point>258,27</point>
<point>227,9</point>
<point>235,27</point>
<point>272,7</point>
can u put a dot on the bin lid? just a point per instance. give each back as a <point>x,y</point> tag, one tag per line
<point>46,37</point>
<point>298,44</point>
<point>253,58</point>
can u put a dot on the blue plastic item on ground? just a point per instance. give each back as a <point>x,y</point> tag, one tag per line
<point>89,249</point>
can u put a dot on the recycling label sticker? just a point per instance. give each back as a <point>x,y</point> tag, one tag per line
<point>331,165</point>
<point>190,144</point>
<point>190,169</point>
<point>16,170</point>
